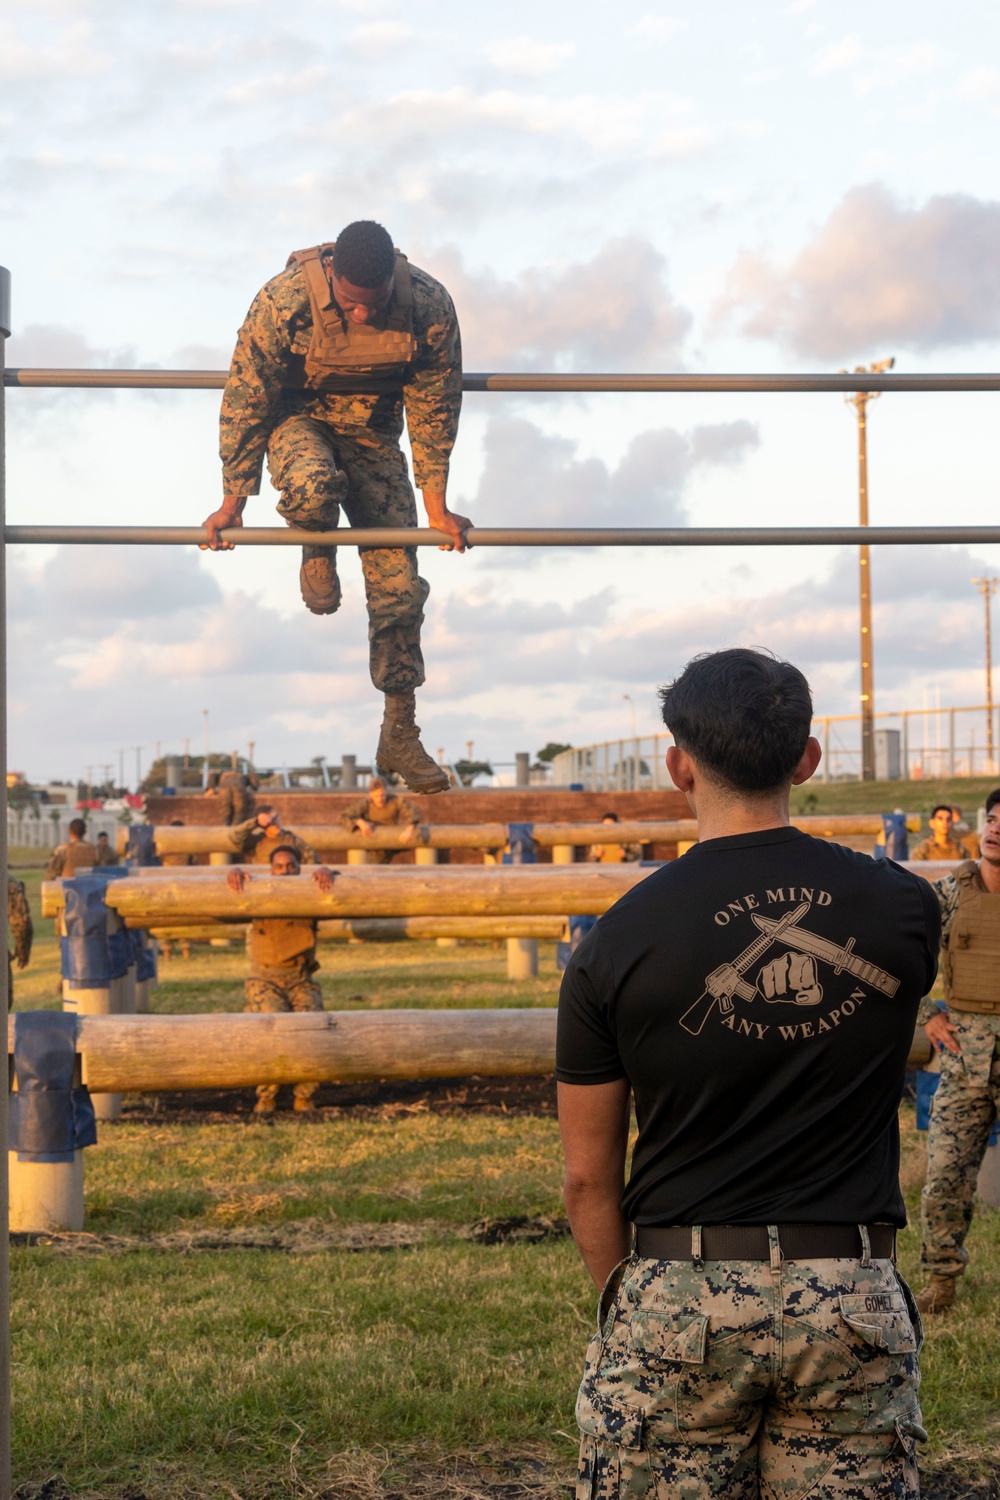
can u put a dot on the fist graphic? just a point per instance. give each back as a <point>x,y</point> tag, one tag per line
<point>790,980</point>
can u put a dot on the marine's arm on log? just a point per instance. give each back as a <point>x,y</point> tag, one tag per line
<point>433,400</point>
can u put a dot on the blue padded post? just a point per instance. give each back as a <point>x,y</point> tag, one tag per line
<point>523,849</point>
<point>50,1117</point>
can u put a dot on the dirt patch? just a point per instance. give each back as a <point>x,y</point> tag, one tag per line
<point>949,1484</point>
<point>308,1237</point>
<point>376,1100</point>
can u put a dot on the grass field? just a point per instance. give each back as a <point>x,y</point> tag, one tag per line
<point>969,792</point>
<point>381,1301</point>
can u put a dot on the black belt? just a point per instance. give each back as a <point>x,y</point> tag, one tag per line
<point>750,1242</point>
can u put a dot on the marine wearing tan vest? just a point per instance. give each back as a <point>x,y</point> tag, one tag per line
<point>69,859</point>
<point>282,943</point>
<point>340,350</point>
<point>971,957</point>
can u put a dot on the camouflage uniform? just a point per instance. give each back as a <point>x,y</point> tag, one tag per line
<point>67,859</point>
<point>963,1112</point>
<point>283,985</point>
<point>328,448</point>
<point>702,1376</point>
<point>236,800</point>
<point>929,848</point>
<point>249,841</point>
<point>104,857</point>
<point>20,928</point>
<point>397,812</point>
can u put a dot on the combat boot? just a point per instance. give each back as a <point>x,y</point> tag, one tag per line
<point>938,1296</point>
<point>399,748</point>
<point>318,581</point>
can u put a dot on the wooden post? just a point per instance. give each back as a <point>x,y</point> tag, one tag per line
<point>563,854</point>
<point>47,1196</point>
<point>522,958</point>
<point>423,855</point>
<point>358,857</point>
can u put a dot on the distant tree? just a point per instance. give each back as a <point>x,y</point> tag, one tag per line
<point>550,751</point>
<point>468,770</point>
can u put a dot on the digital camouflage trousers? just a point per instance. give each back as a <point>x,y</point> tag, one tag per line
<point>272,991</point>
<point>963,1112</point>
<point>317,471</point>
<point>741,1379</point>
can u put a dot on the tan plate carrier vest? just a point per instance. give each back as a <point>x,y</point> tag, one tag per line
<point>356,357</point>
<point>281,942</point>
<point>971,958</point>
<point>78,857</point>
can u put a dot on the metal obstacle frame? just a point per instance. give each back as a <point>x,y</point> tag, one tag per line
<point>479,536</point>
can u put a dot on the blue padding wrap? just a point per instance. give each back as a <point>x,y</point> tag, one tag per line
<point>90,955</point>
<point>896,844</point>
<point>142,845</point>
<point>578,929</point>
<point>521,838</point>
<point>49,1118</point>
<point>119,953</point>
<point>85,964</point>
<point>143,955</point>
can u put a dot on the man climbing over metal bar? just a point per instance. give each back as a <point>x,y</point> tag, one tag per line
<point>332,353</point>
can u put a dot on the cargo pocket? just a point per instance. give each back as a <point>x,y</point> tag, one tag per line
<point>612,1464</point>
<point>665,1338</point>
<point>881,1319</point>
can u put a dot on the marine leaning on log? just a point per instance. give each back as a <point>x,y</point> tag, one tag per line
<point>332,353</point>
<point>282,964</point>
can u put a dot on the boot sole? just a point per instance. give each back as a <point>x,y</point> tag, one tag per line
<point>427,788</point>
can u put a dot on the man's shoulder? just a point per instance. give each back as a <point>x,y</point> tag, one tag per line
<point>286,294</point>
<point>432,301</point>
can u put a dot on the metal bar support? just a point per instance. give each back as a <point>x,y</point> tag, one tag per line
<point>513,536</point>
<point>5,1473</point>
<point>213,380</point>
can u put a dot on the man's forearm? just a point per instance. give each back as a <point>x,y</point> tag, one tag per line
<point>601,1232</point>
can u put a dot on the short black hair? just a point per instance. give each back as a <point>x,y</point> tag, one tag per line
<point>941,807</point>
<point>609,817</point>
<point>286,849</point>
<point>743,714</point>
<point>77,826</point>
<point>101,836</point>
<point>364,254</point>
<point>993,799</point>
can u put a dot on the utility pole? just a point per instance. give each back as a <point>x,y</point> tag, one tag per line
<point>121,770</point>
<point>138,768</point>
<point>988,587</point>
<point>860,401</point>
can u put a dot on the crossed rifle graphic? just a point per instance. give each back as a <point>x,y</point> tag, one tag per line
<point>727,980</point>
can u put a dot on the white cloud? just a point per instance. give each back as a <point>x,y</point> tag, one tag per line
<point>535,478</point>
<point>878,275</point>
<point>527,56</point>
<point>613,310</point>
<point>982,83</point>
<point>378,39</point>
<point>656,28</point>
<point>69,53</point>
<point>837,55</point>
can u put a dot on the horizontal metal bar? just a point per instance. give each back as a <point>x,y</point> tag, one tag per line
<point>211,380</point>
<point>514,536</point>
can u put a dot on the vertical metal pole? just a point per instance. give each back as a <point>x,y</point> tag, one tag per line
<point>988,587</point>
<point>951,743</point>
<point>826,749</point>
<point>906,744</point>
<point>5,1483</point>
<point>864,558</point>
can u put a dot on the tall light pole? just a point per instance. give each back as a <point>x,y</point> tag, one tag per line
<point>860,401</point>
<point>988,587</point>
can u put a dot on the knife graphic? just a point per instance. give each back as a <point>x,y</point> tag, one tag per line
<point>839,956</point>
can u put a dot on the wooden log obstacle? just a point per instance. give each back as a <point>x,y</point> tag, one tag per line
<point>153,1054</point>
<point>212,839</point>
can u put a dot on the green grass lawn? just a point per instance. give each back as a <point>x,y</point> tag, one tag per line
<point>313,1307</point>
<point>969,792</point>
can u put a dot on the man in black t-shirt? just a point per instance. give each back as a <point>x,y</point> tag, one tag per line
<point>758,998</point>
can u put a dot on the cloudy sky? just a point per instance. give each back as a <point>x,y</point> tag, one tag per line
<point>802,186</point>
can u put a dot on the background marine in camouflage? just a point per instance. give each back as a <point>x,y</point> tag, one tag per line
<point>282,964</point>
<point>383,810</point>
<point>20,931</point>
<point>967,1036</point>
<point>76,854</point>
<point>333,352</point>
<point>254,841</point>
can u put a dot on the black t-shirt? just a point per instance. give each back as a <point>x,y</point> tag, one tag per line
<point>766,1061</point>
